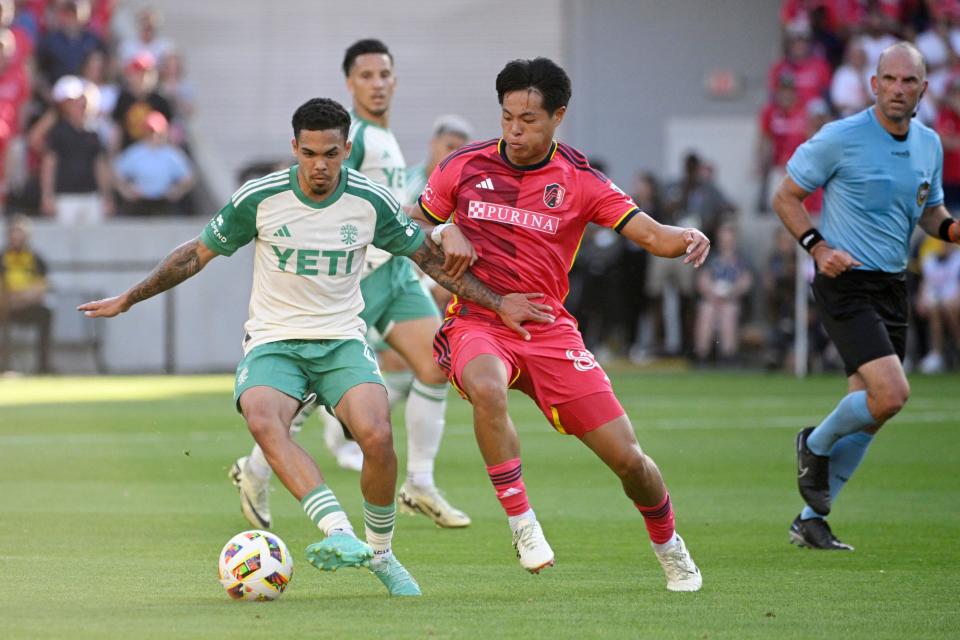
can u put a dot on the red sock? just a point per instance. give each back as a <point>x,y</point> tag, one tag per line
<point>508,483</point>
<point>659,520</point>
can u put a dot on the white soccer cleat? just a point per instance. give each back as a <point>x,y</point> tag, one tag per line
<point>307,406</point>
<point>349,456</point>
<point>254,495</point>
<point>682,572</point>
<point>532,548</point>
<point>432,504</point>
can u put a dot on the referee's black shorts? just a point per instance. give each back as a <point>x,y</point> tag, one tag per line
<point>865,313</point>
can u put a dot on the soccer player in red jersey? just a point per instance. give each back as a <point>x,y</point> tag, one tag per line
<point>514,210</point>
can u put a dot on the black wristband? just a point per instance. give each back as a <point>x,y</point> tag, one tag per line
<point>809,238</point>
<point>944,231</point>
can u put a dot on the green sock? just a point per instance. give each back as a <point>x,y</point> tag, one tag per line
<point>379,523</point>
<point>323,509</point>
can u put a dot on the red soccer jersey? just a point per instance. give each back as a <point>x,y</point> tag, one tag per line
<point>525,223</point>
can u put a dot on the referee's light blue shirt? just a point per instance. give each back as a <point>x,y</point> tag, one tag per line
<point>874,186</point>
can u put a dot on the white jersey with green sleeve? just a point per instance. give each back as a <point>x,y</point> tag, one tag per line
<point>376,154</point>
<point>309,255</point>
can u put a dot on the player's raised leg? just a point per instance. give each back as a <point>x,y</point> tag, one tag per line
<point>425,418</point>
<point>268,413</point>
<point>251,474</point>
<point>616,444</point>
<point>365,411</point>
<point>484,379</point>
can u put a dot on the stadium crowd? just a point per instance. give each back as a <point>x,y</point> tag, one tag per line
<point>95,121</point>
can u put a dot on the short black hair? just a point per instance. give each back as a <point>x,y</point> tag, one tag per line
<point>360,47</point>
<point>542,74</point>
<point>321,114</point>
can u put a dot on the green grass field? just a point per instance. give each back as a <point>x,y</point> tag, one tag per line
<point>115,505</point>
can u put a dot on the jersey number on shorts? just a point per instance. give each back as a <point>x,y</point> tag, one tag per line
<point>582,360</point>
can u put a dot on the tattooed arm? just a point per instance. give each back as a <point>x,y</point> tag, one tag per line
<point>513,308</point>
<point>183,262</point>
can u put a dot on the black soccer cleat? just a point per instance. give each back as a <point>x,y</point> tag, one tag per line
<point>815,533</point>
<point>813,475</point>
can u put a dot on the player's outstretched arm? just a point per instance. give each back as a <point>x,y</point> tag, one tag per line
<point>183,262</point>
<point>513,308</point>
<point>667,242</point>
<point>788,203</point>
<point>459,254</point>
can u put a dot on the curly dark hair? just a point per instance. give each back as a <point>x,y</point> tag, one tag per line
<point>360,47</point>
<point>320,114</point>
<point>543,75</point>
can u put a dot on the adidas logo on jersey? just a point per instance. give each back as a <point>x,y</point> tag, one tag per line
<point>486,183</point>
<point>282,232</point>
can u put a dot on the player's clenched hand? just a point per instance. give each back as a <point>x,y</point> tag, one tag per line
<point>459,254</point>
<point>516,308</point>
<point>832,262</point>
<point>106,308</point>
<point>698,247</point>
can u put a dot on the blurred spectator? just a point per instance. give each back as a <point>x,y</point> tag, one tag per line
<point>783,128</point>
<point>948,126</point>
<point>826,39</point>
<point>153,175</point>
<point>102,102</point>
<point>876,34</point>
<point>138,98</point>
<point>74,173</point>
<point>14,94</point>
<point>23,287</point>
<point>939,303</point>
<point>850,89</point>
<point>638,325</point>
<point>25,39</point>
<point>722,283</point>
<point>64,48</point>
<point>147,39</point>
<point>594,299</point>
<point>101,15</point>
<point>26,15</point>
<point>180,93</point>
<point>808,70</point>
<point>695,200</point>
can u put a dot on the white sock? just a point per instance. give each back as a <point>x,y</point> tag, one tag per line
<point>398,385</point>
<point>379,523</point>
<point>660,548</point>
<point>527,515</point>
<point>257,465</point>
<point>426,408</point>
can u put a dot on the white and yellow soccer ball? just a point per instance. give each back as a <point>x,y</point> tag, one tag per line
<point>255,565</point>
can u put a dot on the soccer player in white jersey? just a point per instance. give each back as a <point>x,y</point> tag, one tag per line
<point>312,224</point>
<point>397,307</point>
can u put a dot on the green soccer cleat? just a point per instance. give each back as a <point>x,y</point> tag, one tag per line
<point>338,551</point>
<point>394,576</point>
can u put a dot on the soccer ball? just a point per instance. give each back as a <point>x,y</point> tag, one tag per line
<point>255,565</point>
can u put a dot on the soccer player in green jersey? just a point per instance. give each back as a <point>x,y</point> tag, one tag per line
<point>312,225</point>
<point>397,307</point>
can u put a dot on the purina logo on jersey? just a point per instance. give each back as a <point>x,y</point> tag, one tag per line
<point>923,191</point>
<point>542,222</point>
<point>553,195</point>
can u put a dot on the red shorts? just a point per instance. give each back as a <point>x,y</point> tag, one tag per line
<point>554,368</point>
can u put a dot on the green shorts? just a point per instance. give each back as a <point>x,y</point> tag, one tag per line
<point>296,367</point>
<point>393,293</point>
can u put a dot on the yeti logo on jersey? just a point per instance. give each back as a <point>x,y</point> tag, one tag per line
<point>553,195</point>
<point>922,192</point>
<point>349,233</point>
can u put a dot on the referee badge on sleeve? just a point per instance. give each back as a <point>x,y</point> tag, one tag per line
<point>922,192</point>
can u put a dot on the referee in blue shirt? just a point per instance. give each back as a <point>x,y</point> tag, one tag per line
<point>881,176</point>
